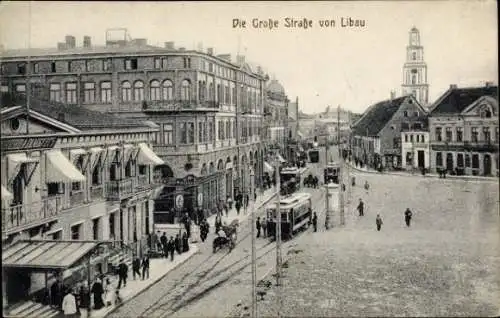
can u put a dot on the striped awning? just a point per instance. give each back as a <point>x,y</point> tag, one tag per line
<point>45,254</point>
<point>60,169</point>
<point>6,195</point>
<point>147,156</point>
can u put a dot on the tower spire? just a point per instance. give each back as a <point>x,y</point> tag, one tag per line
<point>415,69</point>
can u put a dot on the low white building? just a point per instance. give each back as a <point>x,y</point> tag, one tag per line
<point>415,149</point>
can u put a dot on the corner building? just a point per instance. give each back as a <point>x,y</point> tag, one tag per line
<point>209,108</point>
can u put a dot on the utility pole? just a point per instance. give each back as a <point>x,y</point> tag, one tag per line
<point>28,73</point>
<point>278,234</point>
<point>349,157</point>
<point>327,147</point>
<point>341,193</point>
<point>254,260</point>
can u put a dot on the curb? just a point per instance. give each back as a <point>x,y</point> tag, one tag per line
<point>148,286</point>
<point>471,178</point>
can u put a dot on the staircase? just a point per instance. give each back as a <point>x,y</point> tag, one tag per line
<point>31,309</point>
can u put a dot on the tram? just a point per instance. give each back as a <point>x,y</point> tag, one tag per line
<point>331,173</point>
<point>314,153</point>
<point>296,215</point>
<point>291,179</point>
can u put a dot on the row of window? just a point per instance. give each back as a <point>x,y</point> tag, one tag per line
<point>462,161</point>
<point>418,138</point>
<point>226,129</point>
<point>459,134</point>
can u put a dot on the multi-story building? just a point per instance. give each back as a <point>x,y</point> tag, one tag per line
<point>415,149</point>
<point>71,174</point>
<point>209,108</point>
<point>464,131</point>
<point>276,110</point>
<point>376,136</point>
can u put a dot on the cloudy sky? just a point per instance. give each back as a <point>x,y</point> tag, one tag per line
<point>351,67</point>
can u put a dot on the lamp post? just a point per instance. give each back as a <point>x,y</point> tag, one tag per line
<point>254,267</point>
<point>278,231</point>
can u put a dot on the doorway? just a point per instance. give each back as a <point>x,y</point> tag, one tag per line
<point>487,164</point>
<point>449,161</point>
<point>421,159</point>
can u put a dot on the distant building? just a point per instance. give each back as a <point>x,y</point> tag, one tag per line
<point>376,136</point>
<point>415,149</point>
<point>276,112</point>
<point>464,131</point>
<point>415,70</point>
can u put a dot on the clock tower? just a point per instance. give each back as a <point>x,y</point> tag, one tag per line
<point>415,70</point>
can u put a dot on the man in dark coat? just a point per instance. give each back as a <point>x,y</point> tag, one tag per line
<point>247,198</point>
<point>408,216</point>
<point>171,248</point>
<point>361,208</point>
<point>185,242</point>
<point>164,241</point>
<point>122,274</point>
<point>177,243</point>
<point>56,293</point>
<point>315,222</point>
<point>378,222</point>
<point>145,267</point>
<point>136,267</point>
<point>257,224</point>
<point>97,292</point>
<point>187,225</point>
<point>238,207</point>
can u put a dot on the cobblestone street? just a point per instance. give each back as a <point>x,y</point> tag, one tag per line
<point>445,264</point>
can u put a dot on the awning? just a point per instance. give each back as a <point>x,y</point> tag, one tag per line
<point>15,162</point>
<point>147,156</point>
<point>95,155</point>
<point>76,154</point>
<point>6,195</point>
<point>127,151</point>
<point>60,169</point>
<point>45,254</point>
<point>281,159</point>
<point>268,168</point>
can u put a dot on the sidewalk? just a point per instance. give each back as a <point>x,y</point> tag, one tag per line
<point>418,174</point>
<point>158,268</point>
<point>233,215</point>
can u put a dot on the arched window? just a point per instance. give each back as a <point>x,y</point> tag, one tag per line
<point>413,78</point>
<point>168,90</point>
<point>186,90</point>
<point>414,56</point>
<point>201,92</point>
<point>211,92</point>
<point>126,91</point>
<point>138,91</point>
<point>154,90</point>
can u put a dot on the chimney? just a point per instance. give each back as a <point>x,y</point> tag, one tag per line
<point>453,86</point>
<point>488,84</point>
<point>210,51</point>
<point>87,42</point>
<point>240,59</point>
<point>61,116</point>
<point>61,46</point>
<point>70,42</point>
<point>170,45</point>
<point>226,57</point>
<point>182,49</point>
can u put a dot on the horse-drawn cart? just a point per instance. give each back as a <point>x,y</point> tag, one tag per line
<point>226,237</point>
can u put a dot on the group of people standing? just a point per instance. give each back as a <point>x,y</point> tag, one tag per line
<point>170,246</point>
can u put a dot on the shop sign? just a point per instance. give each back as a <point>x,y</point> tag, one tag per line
<point>200,199</point>
<point>179,201</point>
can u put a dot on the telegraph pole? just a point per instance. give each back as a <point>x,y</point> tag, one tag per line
<point>28,71</point>
<point>278,234</point>
<point>349,160</point>
<point>254,260</point>
<point>341,193</point>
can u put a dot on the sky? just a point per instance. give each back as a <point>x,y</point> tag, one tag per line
<point>350,67</point>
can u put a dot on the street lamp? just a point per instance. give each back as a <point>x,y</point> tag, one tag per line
<point>278,230</point>
<point>254,260</point>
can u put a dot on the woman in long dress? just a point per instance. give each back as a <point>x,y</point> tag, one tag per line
<point>97,292</point>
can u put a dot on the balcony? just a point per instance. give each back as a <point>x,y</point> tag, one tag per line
<point>179,105</point>
<point>143,182</point>
<point>120,189</point>
<point>22,216</point>
<point>96,192</point>
<point>77,198</point>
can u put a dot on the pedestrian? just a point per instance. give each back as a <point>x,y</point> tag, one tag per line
<point>109,293</point>
<point>226,208</point>
<point>185,242</point>
<point>171,248</point>
<point>257,224</point>
<point>229,202</point>
<point>367,186</point>
<point>246,200</point>
<point>177,243</point>
<point>187,225</point>
<point>122,274</point>
<point>145,267</point>
<point>315,222</point>
<point>361,207</point>
<point>98,292</point>
<point>84,296</point>
<point>136,266</point>
<point>379,222</point>
<point>69,304</point>
<point>164,241</point>
<point>238,207</point>
<point>264,227</point>
<point>408,216</point>
<point>255,196</point>
<point>55,293</point>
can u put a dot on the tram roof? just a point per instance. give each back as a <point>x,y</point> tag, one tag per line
<point>333,165</point>
<point>293,199</point>
<point>290,170</point>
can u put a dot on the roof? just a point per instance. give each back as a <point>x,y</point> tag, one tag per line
<point>275,87</point>
<point>45,255</point>
<point>75,116</point>
<point>377,116</point>
<point>455,100</point>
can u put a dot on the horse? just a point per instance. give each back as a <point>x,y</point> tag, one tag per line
<point>220,242</point>
<point>231,229</point>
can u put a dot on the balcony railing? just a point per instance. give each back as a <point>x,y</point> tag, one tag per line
<point>96,192</point>
<point>77,198</point>
<point>169,105</point>
<point>23,215</point>
<point>143,181</point>
<point>119,189</point>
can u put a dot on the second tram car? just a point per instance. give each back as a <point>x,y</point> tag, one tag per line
<point>296,214</point>
<point>314,153</point>
<point>331,173</point>
<point>291,179</point>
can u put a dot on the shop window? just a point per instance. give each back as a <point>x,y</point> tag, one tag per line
<point>460,160</point>
<point>143,170</point>
<point>95,228</point>
<point>439,159</point>
<point>53,189</point>
<point>475,161</point>
<point>75,232</point>
<point>467,161</point>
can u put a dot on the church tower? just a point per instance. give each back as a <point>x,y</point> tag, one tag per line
<point>415,70</point>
